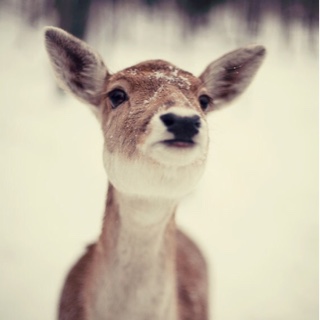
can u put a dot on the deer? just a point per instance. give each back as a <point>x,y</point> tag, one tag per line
<point>153,118</point>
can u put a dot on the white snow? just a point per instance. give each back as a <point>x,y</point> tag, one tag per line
<point>172,78</point>
<point>255,213</point>
<point>154,96</point>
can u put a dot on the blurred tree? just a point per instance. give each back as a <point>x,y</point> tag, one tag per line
<point>151,3</point>
<point>306,11</point>
<point>197,7</point>
<point>73,15</point>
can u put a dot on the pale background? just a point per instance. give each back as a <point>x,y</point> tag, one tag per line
<point>254,214</point>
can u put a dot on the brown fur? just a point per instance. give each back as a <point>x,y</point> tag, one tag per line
<point>138,81</point>
<point>191,276</point>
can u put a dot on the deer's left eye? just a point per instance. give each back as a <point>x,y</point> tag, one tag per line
<point>116,97</point>
<point>204,101</point>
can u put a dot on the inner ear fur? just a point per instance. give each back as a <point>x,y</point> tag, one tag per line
<point>78,68</point>
<point>226,78</point>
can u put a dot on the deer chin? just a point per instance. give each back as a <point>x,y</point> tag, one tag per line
<point>176,154</point>
<point>153,177</point>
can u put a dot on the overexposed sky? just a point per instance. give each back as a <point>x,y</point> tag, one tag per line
<point>254,214</point>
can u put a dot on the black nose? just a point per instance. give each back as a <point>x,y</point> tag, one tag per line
<point>183,128</point>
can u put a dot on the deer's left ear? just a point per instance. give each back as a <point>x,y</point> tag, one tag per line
<point>229,76</point>
<point>78,68</point>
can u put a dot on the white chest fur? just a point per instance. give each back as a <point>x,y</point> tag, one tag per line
<point>138,280</point>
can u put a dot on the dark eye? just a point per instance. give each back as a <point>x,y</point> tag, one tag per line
<point>116,97</point>
<point>204,101</point>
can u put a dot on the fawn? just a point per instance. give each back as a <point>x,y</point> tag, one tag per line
<point>153,120</point>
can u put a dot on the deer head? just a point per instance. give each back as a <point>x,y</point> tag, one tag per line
<point>153,114</point>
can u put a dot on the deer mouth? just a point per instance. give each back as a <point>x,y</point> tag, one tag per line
<point>179,143</point>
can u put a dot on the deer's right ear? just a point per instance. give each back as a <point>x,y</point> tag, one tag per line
<point>77,67</point>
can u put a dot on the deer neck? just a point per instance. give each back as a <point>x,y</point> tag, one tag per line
<point>138,241</point>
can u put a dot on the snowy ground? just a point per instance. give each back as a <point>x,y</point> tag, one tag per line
<point>255,213</point>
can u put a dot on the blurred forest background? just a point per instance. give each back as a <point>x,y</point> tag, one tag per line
<point>73,15</point>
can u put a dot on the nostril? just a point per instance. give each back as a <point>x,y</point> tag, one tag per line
<point>168,119</point>
<point>196,121</point>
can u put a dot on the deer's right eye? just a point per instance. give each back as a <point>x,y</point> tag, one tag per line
<point>116,97</point>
